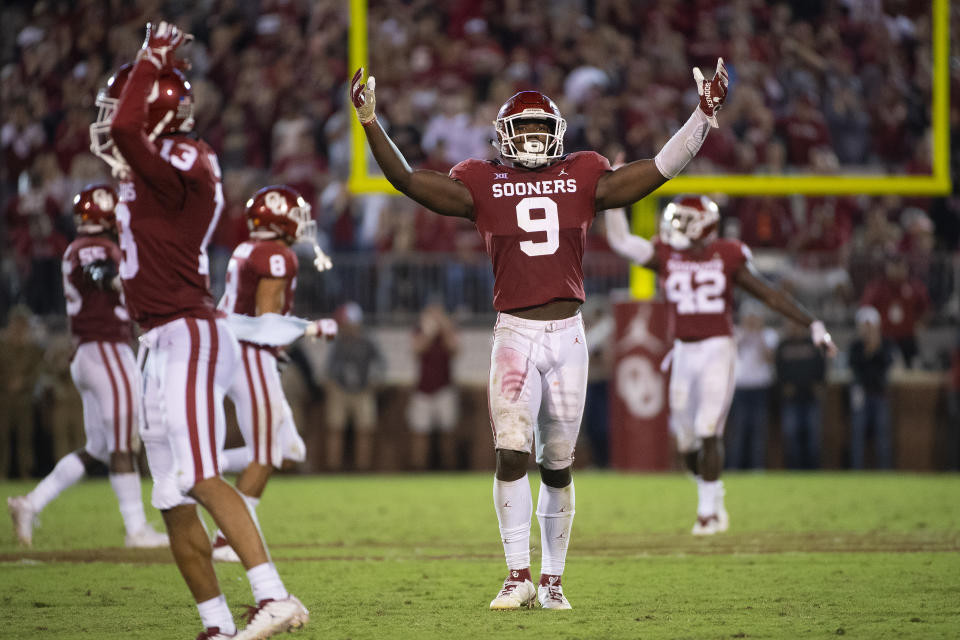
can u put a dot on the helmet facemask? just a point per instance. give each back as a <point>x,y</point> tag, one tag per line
<point>683,225</point>
<point>101,144</point>
<point>533,149</point>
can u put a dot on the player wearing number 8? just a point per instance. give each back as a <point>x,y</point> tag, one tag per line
<point>698,271</point>
<point>532,207</point>
<point>170,201</point>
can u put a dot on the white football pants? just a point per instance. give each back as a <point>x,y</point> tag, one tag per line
<point>537,387</point>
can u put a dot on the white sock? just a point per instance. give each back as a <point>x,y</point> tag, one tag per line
<point>215,613</point>
<point>266,583</point>
<point>67,473</point>
<point>514,506</point>
<point>707,492</point>
<point>130,499</point>
<point>555,509</point>
<point>235,460</point>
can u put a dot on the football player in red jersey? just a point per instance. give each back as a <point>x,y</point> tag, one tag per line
<point>170,201</point>
<point>697,272</point>
<point>533,207</point>
<point>262,278</point>
<point>103,369</point>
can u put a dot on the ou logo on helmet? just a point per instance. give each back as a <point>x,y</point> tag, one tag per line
<point>640,386</point>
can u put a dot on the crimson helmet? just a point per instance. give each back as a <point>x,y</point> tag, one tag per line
<point>170,110</point>
<point>688,219</point>
<point>93,209</point>
<point>530,149</point>
<point>280,211</point>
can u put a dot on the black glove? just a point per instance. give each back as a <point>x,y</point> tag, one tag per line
<point>101,273</point>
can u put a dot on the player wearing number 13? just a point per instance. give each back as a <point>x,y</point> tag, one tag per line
<point>533,207</point>
<point>170,201</point>
<point>697,272</point>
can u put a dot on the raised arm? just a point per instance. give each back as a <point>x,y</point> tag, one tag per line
<point>434,190</point>
<point>128,128</point>
<point>625,244</point>
<point>750,279</point>
<point>635,180</point>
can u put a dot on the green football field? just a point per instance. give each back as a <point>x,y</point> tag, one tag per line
<point>418,556</point>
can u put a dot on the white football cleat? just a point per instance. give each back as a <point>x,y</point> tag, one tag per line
<point>550,595</point>
<point>706,525</point>
<point>146,538</point>
<point>723,519</point>
<point>223,552</point>
<point>515,594</point>
<point>271,617</point>
<point>22,514</point>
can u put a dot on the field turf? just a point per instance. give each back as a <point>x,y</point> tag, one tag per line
<point>813,555</point>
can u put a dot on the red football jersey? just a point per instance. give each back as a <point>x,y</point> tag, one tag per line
<point>534,225</point>
<point>96,315</point>
<point>251,261</point>
<point>167,213</point>
<point>698,284</point>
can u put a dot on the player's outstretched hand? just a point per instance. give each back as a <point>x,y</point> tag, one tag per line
<point>821,338</point>
<point>321,260</point>
<point>713,93</point>
<point>161,41</point>
<point>325,328</point>
<point>364,100</point>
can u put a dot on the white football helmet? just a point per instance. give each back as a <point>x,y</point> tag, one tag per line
<point>688,219</point>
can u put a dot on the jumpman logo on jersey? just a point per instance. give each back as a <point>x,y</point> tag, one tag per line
<point>507,505</point>
<point>563,172</point>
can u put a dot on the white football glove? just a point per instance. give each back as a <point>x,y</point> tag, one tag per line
<point>321,260</point>
<point>162,39</point>
<point>362,95</point>
<point>325,328</point>
<point>821,337</point>
<point>713,93</point>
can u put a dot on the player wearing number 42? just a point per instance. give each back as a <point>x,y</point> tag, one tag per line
<point>532,207</point>
<point>698,271</point>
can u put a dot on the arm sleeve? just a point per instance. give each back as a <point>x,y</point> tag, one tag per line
<point>624,243</point>
<point>127,131</point>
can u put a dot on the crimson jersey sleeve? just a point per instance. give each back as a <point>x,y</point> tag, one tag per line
<point>95,314</point>
<point>699,285</point>
<point>251,262</point>
<point>130,137</point>
<point>534,224</point>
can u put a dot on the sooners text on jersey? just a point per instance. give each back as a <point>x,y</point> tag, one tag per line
<point>698,284</point>
<point>96,315</point>
<point>251,261</point>
<point>534,225</point>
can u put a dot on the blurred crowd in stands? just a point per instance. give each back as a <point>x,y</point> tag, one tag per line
<point>818,87</point>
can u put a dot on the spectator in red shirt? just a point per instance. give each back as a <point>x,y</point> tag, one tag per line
<point>434,404</point>
<point>902,302</point>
